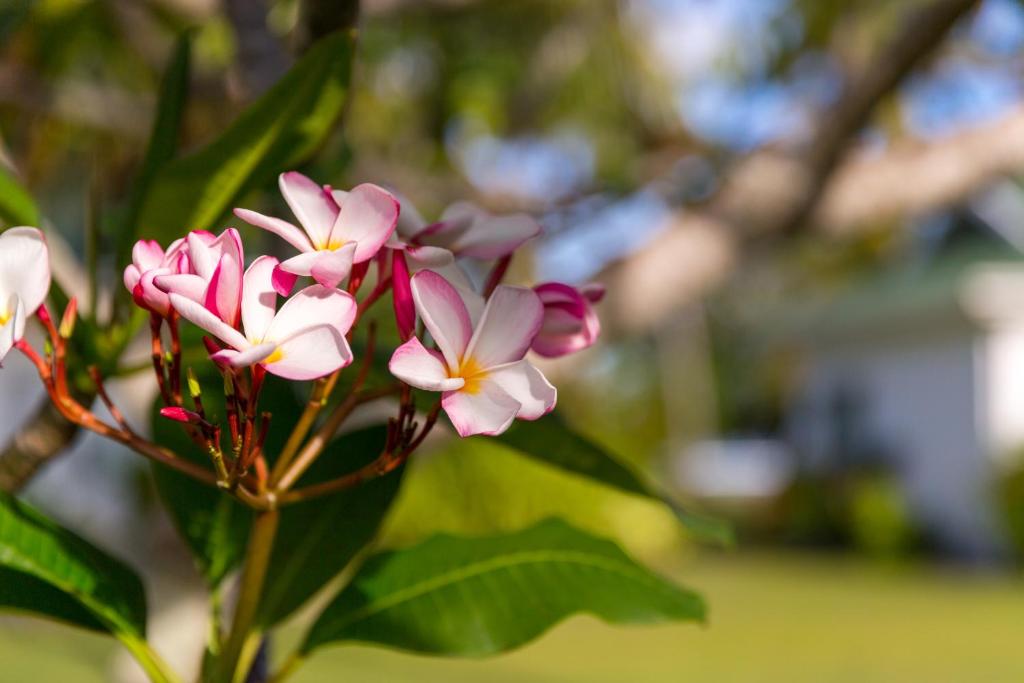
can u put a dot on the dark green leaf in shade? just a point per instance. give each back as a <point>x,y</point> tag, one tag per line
<point>53,573</point>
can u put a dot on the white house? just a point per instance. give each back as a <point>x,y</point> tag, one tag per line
<point>921,371</point>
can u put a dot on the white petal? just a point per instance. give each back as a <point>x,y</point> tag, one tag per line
<point>527,385</point>
<point>422,368</point>
<point>197,314</point>
<point>311,307</point>
<point>283,229</point>
<point>242,359</point>
<point>487,411</point>
<point>367,217</point>
<point>509,323</point>
<point>14,329</point>
<point>311,204</point>
<point>496,236</point>
<point>259,298</point>
<point>331,267</point>
<point>189,286</point>
<point>313,352</point>
<point>24,267</point>
<point>301,264</point>
<point>444,314</point>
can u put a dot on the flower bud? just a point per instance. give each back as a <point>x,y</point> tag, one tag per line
<point>405,309</point>
<point>67,322</point>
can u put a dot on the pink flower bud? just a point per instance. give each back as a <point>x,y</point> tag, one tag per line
<point>181,415</point>
<point>570,322</point>
<point>405,309</point>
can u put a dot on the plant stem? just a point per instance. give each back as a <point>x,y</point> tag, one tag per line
<point>230,666</point>
<point>321,390</point>
<point>155,667</point>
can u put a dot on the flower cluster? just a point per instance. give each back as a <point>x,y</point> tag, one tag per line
<point>477,347</point>
<point>467,341</point>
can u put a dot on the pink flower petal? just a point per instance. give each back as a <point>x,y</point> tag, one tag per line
<point>509,323</point>
<point>331,267</point>
<point>199,316</point>
<point>313,352</point>
<point>313,306</point>
<point>422,368</point>
<point>224,292</point>
<point>570,322</point>
<point>189,286</point>
<point>496,236</point>
<point>147,254</point>
<point>487,411</point>
<point>131,277</point>
<point>24,267</point>
<point>444,314</point>
<point>148,295</point>
<point>283,281</point>
<point>315,208</point>
<point>283,229</point>
<point>301,264</point>
<point>259,298</point>
<point>367,217</point>
<point>527,385</point>
<point>243,359</point>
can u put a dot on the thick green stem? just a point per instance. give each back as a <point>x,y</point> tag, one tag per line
<point>156,668</point>
<point>232,665</point>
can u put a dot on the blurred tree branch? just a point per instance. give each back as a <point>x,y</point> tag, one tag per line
<point>44,436</point>
<point>772,192</point>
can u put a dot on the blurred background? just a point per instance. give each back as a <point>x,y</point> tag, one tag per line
<point>810,217</point>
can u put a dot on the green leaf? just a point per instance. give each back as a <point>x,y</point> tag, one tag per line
<point>317,540</point>
<point>550,440</point>
<point>51,572</point>
<point>482,596</point>
<point>279,131</point>
<point>16,205</point>
<point>163,139</point>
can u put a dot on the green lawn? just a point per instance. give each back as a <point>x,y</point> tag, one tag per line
<point>773,618</point>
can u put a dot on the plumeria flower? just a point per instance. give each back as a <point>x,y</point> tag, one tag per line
<point>214,277</point>
<point>303,340</point>
<point>466,230</point>
<point>338,228</point>
<point>150,261</point>
<point>570,322</point>
<point>24,282</point>
<point>486,382</point>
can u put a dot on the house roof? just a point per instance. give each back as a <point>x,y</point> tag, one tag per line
<point>923,294</point>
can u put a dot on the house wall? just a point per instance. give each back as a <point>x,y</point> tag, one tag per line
<point>914,401</point>
<point>1003,391</point>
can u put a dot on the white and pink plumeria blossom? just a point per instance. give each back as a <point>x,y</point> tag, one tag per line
<point>149,261</point>
<point>468,230</point>
<point>303,340</point>
<point>24,281</point>
<point>338,228</point>
<point>570,322</point>
<point>485,380</point>
<point>214,277</point>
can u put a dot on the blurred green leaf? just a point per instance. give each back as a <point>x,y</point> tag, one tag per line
<point>550,440</point>
<point>163,140</point>
<point>317,539</point>
<point>481,596</point>
<point>51,572</point>
<point>16,205</point>
<point>279,131</point>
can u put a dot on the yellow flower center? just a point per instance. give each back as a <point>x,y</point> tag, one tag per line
<point>4,317</point>
<point>472,374</point>
<point>274,357</point>
<point>334,245</point>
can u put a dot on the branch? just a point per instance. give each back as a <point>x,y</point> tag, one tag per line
<point>45,435</point>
